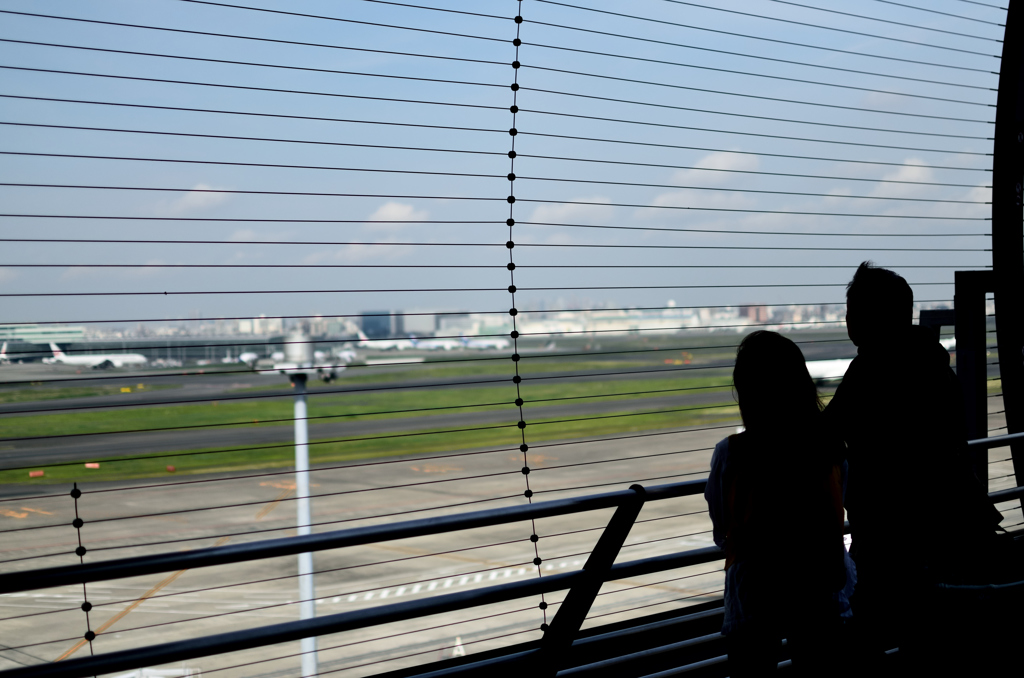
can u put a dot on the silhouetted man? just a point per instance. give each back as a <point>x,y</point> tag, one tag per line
<point>917,513</point>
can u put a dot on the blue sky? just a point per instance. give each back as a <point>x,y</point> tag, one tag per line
<point>563,89</point>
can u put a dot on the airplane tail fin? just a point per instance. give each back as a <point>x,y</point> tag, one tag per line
<point>57,353</point>
<point>3,351</point>
<point>362,336</point>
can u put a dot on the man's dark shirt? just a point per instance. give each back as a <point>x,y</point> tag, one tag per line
<point>911,496</point>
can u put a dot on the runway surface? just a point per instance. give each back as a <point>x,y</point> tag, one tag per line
<point>260,506</point>
<point>85,448</point>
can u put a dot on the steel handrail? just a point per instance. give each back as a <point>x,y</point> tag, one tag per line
<point>598,569</point>
<point>16,582</point>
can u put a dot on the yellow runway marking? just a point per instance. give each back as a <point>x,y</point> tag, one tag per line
<point>12,514</point>
<point>32,510</point>
<point>273,505</point>
<point>123,613</point>
<point>286,489</point>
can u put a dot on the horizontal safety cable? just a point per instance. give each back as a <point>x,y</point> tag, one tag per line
<point>231,137</point>
<point>445,10</point>
<point>899,23</point>
<point>627,142</point>
<point>798,175</point>
<point>322,417</point>
<point>261,502</point>
<point>714,130</point>
<point>437,289</point>
<point>255,38</point>
<point>257,64</point>
<point>463,59</point>
<point>477,266</point>
<point>746,190</point>
<point>327,442</point>
<point>197,83</point>
<point>776,41</point>
<point>842,30</point>
<point>162,345</point>
<point>759,97</point>
<point>440,313</point>
<point>439,650</point>
<point>803,234</point>
<point>435,649</point>
<point>335,467</point>
<point>433,363</point>
<point>374,170</point>
<point>758,57</point>
<point>348,21</point>
<point>479,129</point>
<point>955,16</point>
<point>802,81</point>
<point>619,482</point>
<point>664,602</point>
<point>220,587</point>
<point>253,88</point>
<point>441,150</point>
<point>476,129</point>
<point>331,18</point>
<point>793,22</point>
<point>215,615</point>
<point>292,527</point>
<point>233,191</point>
<point>286,394</point>
<point>234,220</point>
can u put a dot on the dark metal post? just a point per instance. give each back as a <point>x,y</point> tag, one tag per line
<point>936,319</point>
<point>969,301</point>
<point>573,612</point>
<point>1007,230</point>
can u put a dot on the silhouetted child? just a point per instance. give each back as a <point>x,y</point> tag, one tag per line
<point>775,495</point>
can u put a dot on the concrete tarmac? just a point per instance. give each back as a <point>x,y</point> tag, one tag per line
<point>160,517</point>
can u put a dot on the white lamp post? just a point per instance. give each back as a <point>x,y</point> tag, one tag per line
<point>299,365</point>
<point>307,593</point>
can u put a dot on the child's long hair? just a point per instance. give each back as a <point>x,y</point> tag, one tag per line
<point>774,388</point>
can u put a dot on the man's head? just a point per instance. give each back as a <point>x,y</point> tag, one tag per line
<point>879,304</point>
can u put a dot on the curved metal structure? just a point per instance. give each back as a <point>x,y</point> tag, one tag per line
<point>1007,229</point>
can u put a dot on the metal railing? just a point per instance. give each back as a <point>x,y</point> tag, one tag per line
<point>582,585</point>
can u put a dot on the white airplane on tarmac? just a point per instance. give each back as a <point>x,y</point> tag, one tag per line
<point>483,344</point>
<point>828,370</point>
<point>436,344</point>
<point>383,344</point>
<point>831,370</point>
<point>300,358</point>
<point>97,361</point>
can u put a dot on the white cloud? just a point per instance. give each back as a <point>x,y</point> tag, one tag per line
<point>395,211</point>
<point>358,254</point>
<point>708,199</point>
<point>200,197</point>
<point>244,234</point>
<point>574,213</point>
<point>917,170</point>
<point>86,273</point>
<point>717,161</point>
